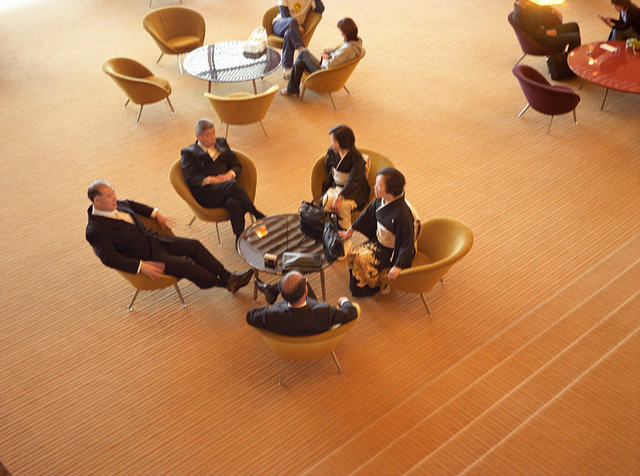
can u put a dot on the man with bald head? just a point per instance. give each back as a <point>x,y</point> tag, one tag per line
<point>122,241</point>
<point>299,314</point>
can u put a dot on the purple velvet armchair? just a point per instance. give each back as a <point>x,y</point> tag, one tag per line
<point>544,97</point>
<point>529,45</point>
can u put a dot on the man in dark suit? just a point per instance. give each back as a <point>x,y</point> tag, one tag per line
<point>544,24</point>
<point>627,25</point>
<point>123,242</point>
<point>298,314</point>
<point>210,169</point>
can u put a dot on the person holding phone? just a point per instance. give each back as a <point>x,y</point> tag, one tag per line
<point>628,23</point>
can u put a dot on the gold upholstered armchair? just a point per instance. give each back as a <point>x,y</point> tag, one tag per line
<point>142,282</point>
<point>442,243</point>
<point>248,178</point>
<point>296,348</point>
<point>138,83</point>
<point>176,30</point>
<point>309,25</point>
<point>242,108</point>
<point>376,161</point>
<point>329,80</point>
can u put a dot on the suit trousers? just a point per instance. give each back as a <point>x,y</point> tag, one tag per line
<point>186,258</point>
<point>567,34</point>
<point>231,196</point>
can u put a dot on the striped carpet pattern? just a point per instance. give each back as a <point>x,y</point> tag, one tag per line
<point>529,364</point>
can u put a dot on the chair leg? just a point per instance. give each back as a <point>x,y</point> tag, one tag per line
<point>226,132</point>
<point>139,113</point>
<point>218,232</point>
<point>302,95</point>
<point>281,382</point>
<point>522,112</point>
<point>265,132</point>
<point>424,301</point>
<point>549,128</point>
<point>133,299</point>
<point>335,359</point>
<point>184,304</point>
<point>179,64</point>
<point>126,103</point>
<point>345,88</point>
<point>161,55</point>
<point>170,106</point>
<point>521,58</point>
<point>575,121</point>
<point>332,103</point>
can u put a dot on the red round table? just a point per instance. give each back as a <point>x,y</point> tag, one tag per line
<point>608,64</point>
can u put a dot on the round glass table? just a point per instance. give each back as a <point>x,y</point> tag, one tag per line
<point>274,235</point>
<point>226,62</point>
<point>608,64</point>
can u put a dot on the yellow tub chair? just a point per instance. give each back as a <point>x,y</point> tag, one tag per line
<point>311,347</point>
<point>142,282</point>
<point>138,83</point>
<point>329,80</point>
<point>242,108</point>
<point>442,243</point>
<point>248,179</point>
<point>176,30</point>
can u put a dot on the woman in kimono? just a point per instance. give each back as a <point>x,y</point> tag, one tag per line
<point>388,223</point>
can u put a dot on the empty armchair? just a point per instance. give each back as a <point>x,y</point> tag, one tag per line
<point>442,243</point>
<point>242,108</point>
<point>528,45</point>
<point>329,80</point>
<point>544,97</point>
<point>137,82</point>
<point>176,30</point>
<point>309,25</point>
<point>142,282</point>
<point>312,347</point>
<point>248,179</point>
<point>375,161</point>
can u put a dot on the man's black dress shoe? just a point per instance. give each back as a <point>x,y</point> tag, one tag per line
<point>238,280</point>
<point>263,287</point>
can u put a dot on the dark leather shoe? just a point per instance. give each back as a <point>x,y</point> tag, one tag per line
<point>238,280</point>
<point>264,289</point>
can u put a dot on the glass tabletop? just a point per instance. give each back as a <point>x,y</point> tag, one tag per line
<point>275,235</point>
<point>226,62</point>
<point>607,63</point>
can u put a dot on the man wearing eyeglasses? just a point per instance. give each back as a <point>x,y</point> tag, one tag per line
<point>299,313</point>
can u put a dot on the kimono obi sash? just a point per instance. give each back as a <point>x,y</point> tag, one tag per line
<point>339,178</point>
<point>385,237</point>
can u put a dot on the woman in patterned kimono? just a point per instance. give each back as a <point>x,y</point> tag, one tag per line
<point>388,223</point>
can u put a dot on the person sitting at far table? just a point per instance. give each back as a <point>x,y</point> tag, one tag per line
<point>351,48</point>
<point>627,25</point>
<point>123,242</point>
<point>544,24</point>
<point>298,313</point>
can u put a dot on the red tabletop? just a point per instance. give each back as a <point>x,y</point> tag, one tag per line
<point>619,69</point>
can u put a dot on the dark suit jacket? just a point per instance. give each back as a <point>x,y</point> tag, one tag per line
<point>314,318</point>
<point>356,188</point>
<point>535,20</point>
<point>633,20</point>
<point>121,245</point>
<point>197,164</point>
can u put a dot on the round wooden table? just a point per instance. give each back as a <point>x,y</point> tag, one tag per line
<point>608,64</point>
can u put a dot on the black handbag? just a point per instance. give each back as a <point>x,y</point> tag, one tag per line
<point>558,67</point>
<point>313,218</point>
<point>331,242</point>
<point>303,262</point>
